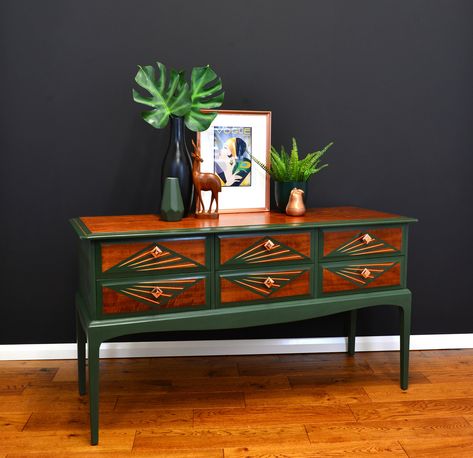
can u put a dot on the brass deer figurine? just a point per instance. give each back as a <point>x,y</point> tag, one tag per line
<point>204,182</point>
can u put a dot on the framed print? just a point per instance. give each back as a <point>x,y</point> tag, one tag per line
<point>227,148</point>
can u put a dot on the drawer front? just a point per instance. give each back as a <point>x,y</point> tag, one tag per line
<point>265,249</point>
<point>154,256</point>
<point>264,286</point>
<point>362,242</point>
<point>357,276</point>
<point>150,296</point>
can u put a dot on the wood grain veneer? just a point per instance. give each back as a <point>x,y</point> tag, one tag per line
<point>114,302</point>
<point>333,240</point>
<point>137,223</point>
<point>333,283</point>
<point>115,253</point>
<point>231,292</point>
<point>299,242</point>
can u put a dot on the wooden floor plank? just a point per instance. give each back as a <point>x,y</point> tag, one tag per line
<point>326,358</point>
<point>389,430</point>
<point>163,453</point>
<point>308,396</point>
<point>106,388</point>
<point>448,447</point>
<point>34,363</point>
<point>401,410</point>
<point>443,390</point>
<point>216,370</point>
<point>383,449</point>
<point>423,362</point>
<point>247,384</point>
<point>179,401</point>
<point>326,378</point>
<point>21,443</point>
<point>210,360</point>
<point>197,438</point>
<point>304,367</point>
<point>441,376</point>
<point>59,402</point>
<point>263,416</point>
<point>16,375</point>
<point>175,385</point>
<point>12,421</point>
<point>79,421</point>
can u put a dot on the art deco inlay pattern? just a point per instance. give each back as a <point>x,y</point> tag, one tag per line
<point>266,250</point>
<point>362,245</point>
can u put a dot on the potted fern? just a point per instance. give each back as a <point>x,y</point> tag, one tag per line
<point>289,171</point>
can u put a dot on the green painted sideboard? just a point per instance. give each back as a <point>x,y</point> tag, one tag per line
<point>140,274</point>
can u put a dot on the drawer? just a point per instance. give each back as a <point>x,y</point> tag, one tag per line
<point>264,285</point>
<point>154,256</point>
<point>356,276</point>
<point>264,249</point>
<point>148,296</point>
<point>378,241</point>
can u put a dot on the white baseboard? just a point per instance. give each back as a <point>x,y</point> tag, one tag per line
<point>236,347</point>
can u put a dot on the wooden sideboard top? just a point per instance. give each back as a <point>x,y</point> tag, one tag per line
<point>95,227</point>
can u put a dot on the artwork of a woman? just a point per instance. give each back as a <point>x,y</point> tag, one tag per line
<point>233,162</point>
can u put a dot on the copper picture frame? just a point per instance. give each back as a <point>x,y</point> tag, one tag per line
<point>258,134</point>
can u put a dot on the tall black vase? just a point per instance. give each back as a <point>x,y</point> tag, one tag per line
<point>177,163</point>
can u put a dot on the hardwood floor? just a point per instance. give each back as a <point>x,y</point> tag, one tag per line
<point>309,405</point>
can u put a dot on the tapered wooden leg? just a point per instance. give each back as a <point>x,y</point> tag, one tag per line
<point>94,348</point>
<point>81,339</point>
<point>352,332</point>
<point>404,337</point>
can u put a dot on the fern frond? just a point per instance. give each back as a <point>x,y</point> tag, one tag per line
<point>288,167</point>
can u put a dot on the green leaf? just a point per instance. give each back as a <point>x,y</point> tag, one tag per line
<point>293,160</point>
<point>206,94</point>
<point>172,99</point>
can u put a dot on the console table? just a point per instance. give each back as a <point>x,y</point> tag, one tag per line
<point>141,274</point>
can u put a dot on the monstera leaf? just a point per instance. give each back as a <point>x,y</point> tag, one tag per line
<point>206,93</point>
<point>172,99</point>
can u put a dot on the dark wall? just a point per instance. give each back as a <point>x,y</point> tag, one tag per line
<point>389,81</point>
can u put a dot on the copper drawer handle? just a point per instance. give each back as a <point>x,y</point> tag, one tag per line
<point>269,282</point>
<point>269,245</point>
<point>367,239</point>
<point>156,292</point>
<point>366,273</point>
<point>156,252</point>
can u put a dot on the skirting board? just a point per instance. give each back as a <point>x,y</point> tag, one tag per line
<point>236,347</point>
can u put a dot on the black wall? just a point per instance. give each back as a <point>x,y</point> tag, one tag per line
<point>389,81</point>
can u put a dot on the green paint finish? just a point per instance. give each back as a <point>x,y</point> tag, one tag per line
<point>352,332</point>
<point>241,316</point>
<point>93,327</point>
